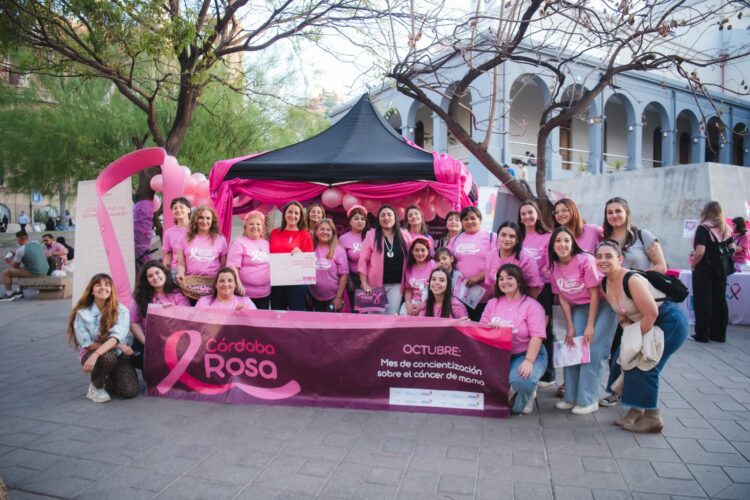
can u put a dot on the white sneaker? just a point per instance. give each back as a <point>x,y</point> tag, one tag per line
<point>564,405</point>
<point>529,408</point>
<point>98,395</point>
<point>544,385</point>
<point>585,410</point>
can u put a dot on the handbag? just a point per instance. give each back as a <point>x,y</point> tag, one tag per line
<point>725,263</point>
<point>375,301</point>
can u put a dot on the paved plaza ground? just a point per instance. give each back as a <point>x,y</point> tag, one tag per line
<point>56,443</point>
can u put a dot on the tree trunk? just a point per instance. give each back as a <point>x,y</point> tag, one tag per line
<point>544,202</point>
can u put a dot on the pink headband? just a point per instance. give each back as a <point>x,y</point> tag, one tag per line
<point>252,213</point>
<point>354,207</point>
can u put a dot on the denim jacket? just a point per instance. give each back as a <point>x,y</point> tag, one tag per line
<point>86,327</point>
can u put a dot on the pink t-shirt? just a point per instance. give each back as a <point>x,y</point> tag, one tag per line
<point>523,314</point>
<point>591,236</point>
<point>211,303</point>
<point>175,299</point>
<point>328,271</point>
<point>352,243</point>
<point>458,309</point>
<point>416,279</point>
<point>55,247</point>
<point>251,257</point>
<point>742,254</point>
<point>536,245</point>
<point>202,255</point>
<point>174,238</point>
<point>525,261</point>
<point>471,252</point>
<point>574,279</point>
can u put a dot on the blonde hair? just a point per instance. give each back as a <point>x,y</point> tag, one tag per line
<point>334,239</point>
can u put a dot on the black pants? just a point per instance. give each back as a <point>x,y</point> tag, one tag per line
<point>476,314</point>
<point>547,299</point>
<point>262,302</point>
<point>288,297</point>
<point>711,310</point>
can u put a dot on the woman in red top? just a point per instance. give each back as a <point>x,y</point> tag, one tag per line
<point>291,237</point>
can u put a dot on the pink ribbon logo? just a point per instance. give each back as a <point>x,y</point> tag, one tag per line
<point>734,291</point>
<point>178,371</point>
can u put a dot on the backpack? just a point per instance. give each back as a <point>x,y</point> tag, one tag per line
<point>674,289</point>
<point>719,254</point>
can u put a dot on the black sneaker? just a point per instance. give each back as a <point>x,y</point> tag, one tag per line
<point>610,400</point>
<point>10,297</point>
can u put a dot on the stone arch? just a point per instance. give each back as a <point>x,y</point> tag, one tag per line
<point>688,134</point>
<point>654,136</point>
<point>619,122</point>
<point>578,137</point>
<point>393,117</point>
<point>529,95</point>
<point>714,139</point>
<point>740,143</point>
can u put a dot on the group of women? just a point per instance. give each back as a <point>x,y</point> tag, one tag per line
<point>516,273</point>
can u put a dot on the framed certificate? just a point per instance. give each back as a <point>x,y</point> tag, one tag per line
<point>288,269</point>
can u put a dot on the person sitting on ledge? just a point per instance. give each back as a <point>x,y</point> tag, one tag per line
<point>30,255</point>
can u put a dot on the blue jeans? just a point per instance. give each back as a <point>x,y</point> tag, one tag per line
<point>524,387</point>
<point>582,381</point>
<point>641,389</point>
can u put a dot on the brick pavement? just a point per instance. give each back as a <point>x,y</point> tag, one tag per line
<point>55,443</point>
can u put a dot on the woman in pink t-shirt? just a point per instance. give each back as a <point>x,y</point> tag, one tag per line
<point>576,279</point>
<point>587,236</point>
<point>470,248</point>
<point>535,235</point>
<point>416,278</point>
<point>314,213</point>
<point>225,295</point>
<point>510,251</point>
<point>440,301</point>
<point>331,270</point>
<point>352,243</point>
<point>249,257</point>
<point>154,286</point>
<point>414,223</point>
<point>452,227</point>
<point>741,237</point>
<point>204,249</point>
<point>513,308</point>
<point>174,236</point>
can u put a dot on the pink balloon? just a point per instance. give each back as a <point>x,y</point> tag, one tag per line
<point>157,203</point>
<point>199,177</point>
<point>430,197</point>
<point>372,206</point>
<point>157,183</point>
<point>429,211</point>
<point>332,197</point>
<point>191,185</point>
<point>443,207</point>
<point>192,199</point>
<point>400,213</point>
<point>202,189</point>
<point>349,201</point>
<point>201,201</point>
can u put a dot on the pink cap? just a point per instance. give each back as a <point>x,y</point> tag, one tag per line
<point>252,213</point>
<point>353,208</point>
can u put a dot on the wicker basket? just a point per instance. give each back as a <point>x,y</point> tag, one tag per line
<point>196,287</point>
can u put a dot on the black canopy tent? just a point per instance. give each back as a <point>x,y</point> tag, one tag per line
<point>362,146</point>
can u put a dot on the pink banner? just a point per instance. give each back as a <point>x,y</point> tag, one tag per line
<point>325,359</point>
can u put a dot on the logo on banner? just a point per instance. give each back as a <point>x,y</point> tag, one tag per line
<point>733,291</point>
<point>223,359</point>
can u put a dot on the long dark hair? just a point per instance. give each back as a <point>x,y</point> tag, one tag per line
<point>517,273</point>
<point>398,238</point>
<point>302,224</point>
<point>519,241</point>
<point>109,313</point>
<point>540,226</point>
<point>739,226</point>
<point>144,292</point>
<point>574,249</point>
<point>447,310</point>
<point>411,261</point>
<point>631,232</point>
